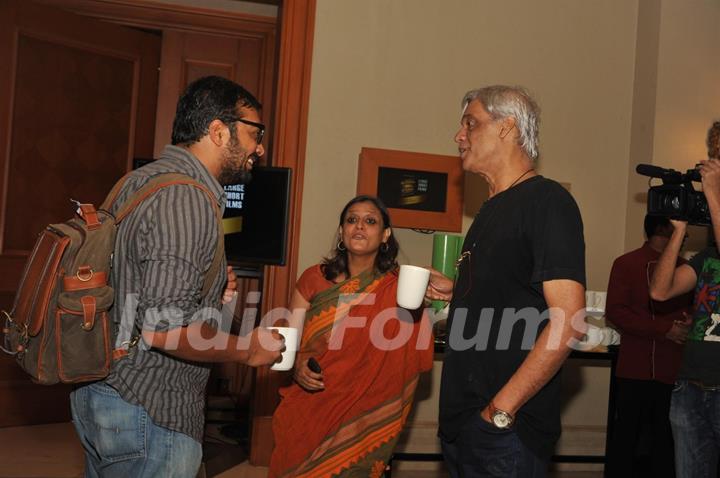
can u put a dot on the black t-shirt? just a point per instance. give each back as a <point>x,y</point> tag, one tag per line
<point>520,238</point>
<point>701,357</point>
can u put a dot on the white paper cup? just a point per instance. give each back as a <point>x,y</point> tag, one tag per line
<point>291,346</point>
<point>412,285</point>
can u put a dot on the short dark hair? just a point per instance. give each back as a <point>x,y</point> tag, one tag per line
<point>386,260</point>
<point>654,223</point>
<point>204,100</point>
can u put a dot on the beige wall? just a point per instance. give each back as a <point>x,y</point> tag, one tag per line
<point>643,117</point>
<point>620,83</point>
<point>391,75</point>
<point>688,93</point>
<point>676,95</point>
<point>688,96</point>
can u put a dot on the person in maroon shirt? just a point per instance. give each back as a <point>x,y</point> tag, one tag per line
<point>653,334</point>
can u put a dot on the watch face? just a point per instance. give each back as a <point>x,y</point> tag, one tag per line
<point>501,420</point>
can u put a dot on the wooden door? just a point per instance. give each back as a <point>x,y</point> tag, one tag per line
<point>247,58</point>
<point>77,103</point>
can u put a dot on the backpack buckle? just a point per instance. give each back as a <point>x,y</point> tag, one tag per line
<point>132,342</point>
<point>22,333</point>
<point>84,273</point>
<point>125,348</point>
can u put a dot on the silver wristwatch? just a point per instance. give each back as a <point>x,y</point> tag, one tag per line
<point>500,418</point>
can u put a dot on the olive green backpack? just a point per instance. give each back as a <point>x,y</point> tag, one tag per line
<point>59,328</point>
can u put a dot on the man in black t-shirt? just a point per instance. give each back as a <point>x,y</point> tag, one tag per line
<point>519,300</point>
<point>695,401</point>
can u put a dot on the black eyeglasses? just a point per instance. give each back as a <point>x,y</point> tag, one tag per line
<point>260,128</point>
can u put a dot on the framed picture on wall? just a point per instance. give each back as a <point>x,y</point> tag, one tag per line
<point>421,191</point>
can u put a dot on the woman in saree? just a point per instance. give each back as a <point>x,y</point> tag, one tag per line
<point>345,420</point>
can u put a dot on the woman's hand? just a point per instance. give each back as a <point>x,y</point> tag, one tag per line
<point>306,378</point>
<point>440,287</point>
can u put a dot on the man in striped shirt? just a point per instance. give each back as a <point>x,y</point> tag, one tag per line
<point>146,418</point>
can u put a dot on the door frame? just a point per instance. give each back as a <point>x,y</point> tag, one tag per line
<point>291,107</point>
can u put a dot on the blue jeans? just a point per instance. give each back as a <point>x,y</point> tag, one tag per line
<point>482,450</point>
<point>120,439</point>
<point>695,420</point>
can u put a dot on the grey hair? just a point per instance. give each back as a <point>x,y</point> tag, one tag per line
<point>501,102</point>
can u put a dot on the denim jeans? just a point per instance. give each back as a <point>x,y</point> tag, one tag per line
<point>120,439</point>
<point>481,450</point>
<point>695,420</point>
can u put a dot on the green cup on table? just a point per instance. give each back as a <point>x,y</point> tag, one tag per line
<point>446,250</point>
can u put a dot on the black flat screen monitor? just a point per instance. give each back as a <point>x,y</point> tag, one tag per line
<point>256,218</point>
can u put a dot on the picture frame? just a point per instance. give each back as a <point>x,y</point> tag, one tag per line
<point>420,190</point>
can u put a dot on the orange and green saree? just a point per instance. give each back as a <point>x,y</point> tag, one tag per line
<point>371,353</point>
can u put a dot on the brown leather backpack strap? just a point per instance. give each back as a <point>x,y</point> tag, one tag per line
<point>113,194</point>
<point>153,185</point>
<point>90,216</point>
<point>173,179</point>
<point>214,269</point>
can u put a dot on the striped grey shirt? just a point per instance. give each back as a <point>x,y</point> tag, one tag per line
<point>162,251</point>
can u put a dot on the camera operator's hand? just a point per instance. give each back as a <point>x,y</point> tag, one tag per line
<point>678,225</point>
<point>710,173</point>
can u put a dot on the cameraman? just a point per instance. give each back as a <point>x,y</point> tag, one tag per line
<point>695,402</point>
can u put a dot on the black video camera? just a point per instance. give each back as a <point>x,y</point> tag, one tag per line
<point>676,198</point>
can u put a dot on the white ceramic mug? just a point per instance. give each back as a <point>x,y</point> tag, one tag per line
<point>595,302</point>
<point>610,336</point>
<point>593,337</point>
<point>291,345</point>
<point>412,285</point>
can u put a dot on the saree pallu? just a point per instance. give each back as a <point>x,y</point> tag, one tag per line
<point>371,353</point>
